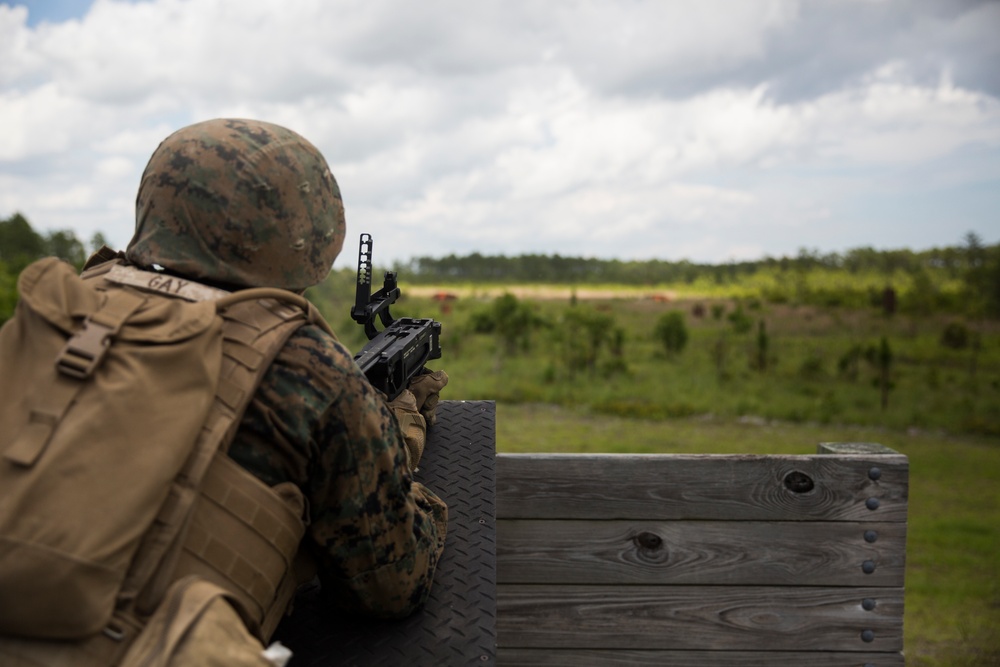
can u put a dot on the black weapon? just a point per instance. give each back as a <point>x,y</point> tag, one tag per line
<point>398,352</point>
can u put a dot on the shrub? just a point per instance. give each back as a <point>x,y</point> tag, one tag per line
<point>847,365</point>
<point>955,336</point>
<point>582,334</point>
<point>671,332</point>
<point>812,366</point>
<point>763,344</point>
<point>740,321</point>
<point>510,320</point>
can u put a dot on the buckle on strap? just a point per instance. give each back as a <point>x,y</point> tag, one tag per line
<point>85,350</point>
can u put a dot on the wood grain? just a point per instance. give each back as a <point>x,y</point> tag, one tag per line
<point>855,448</point>
<point>533,657</point>
<point>734,618</point>
<point>705,487</point>
<point>699,552</point>
<point>721,560</point>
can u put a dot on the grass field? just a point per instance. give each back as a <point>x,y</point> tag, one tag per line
<point>818,364</point>
<point>819,382</point>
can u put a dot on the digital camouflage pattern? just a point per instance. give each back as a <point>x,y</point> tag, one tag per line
<point>316,421</point>
<point>240,203</point>
<point>244,203</point>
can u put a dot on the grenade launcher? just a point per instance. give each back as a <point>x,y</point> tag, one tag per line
<point>399,351</point>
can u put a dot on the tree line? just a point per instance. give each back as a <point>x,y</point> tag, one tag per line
<point>20,245</point>
<point>954,261</point>
<point>964,278</point>
<point>973,265</point>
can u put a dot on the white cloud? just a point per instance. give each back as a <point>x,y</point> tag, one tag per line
<point>891,122</point>
<point>641,45</point>
<point>566,126</point>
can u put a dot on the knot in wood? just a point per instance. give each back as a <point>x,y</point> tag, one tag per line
<point>799,482</point>
<point>648,541</point>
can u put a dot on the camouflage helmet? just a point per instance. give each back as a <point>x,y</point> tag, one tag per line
<point>239,202</point>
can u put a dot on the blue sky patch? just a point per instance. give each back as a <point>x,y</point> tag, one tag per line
<point>54,11</point>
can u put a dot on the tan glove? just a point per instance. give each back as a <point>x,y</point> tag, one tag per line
<point>412,425</point>
<point>426,390</point>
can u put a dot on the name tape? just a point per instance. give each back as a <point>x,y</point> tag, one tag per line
<point>164,284</point>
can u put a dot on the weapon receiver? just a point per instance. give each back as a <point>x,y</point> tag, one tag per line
<point>399,351</point>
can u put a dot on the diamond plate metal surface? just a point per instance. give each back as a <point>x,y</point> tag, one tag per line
<point>457,626</point>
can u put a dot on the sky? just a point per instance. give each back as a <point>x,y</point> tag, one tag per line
<point>710,130</point>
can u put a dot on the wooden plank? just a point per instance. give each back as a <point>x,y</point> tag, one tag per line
<point>528,657</point>
<point>701,552</point>
<point>749,618</point>
<point>707,487</point>
<point>854,448</point>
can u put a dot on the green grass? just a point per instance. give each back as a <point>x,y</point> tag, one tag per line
<point>933,388</point>
<point>943,413</point>
<point>953,543</point>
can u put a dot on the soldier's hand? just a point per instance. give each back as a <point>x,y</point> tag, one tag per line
<point>426,390</point>
<point>412,425</point>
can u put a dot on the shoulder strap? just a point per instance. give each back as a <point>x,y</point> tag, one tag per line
<point>254,331</point>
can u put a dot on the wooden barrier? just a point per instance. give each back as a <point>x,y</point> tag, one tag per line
<point>695,560</point>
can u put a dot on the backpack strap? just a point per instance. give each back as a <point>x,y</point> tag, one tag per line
<point>253,332</point>
<point>313,315</point>
<point>85,350</point>
<point>256,325</point>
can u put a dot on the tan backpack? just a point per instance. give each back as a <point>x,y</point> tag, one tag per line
<point>117,389</point>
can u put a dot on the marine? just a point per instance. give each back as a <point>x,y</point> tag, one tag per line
<point>239,203</point>
<point>226,207</point>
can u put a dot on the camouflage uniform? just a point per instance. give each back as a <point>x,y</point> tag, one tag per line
<point>316,421</point>
<point>240,203</point>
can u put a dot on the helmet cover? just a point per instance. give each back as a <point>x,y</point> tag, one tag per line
<point>239,202</point>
